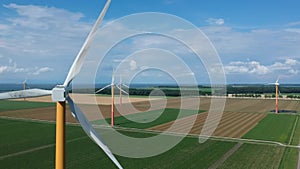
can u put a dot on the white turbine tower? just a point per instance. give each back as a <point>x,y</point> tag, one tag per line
<point>121,90</point>
<point>60,95</point>
<point>112,85</point>
<point>24,86</point>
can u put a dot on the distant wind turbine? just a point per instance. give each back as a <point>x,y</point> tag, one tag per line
<point>121,89</point>
<point>277,93</point>
<point>60,95</point>
<point>112,85</point>
<point>24,86</point>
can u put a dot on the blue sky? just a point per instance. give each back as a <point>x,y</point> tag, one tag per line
<point>257,41</point>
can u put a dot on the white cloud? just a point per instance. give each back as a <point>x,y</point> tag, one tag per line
<point>273,48</point>
<point>293,30</point>
<point>33,13</point>
<point>270,44</point>
<point>42,31</point>
<point>42,70</point>
<point>293,24</point>
<point>39,35</point>
<point>20,70</point>
<point>214,21</point>
<point>287,67</point>
<point>132,65</point>
<point>3,69</point>
<point>252,67</point>
<point>291,62</point>
<point>293,72</point>
<point>7,65</point>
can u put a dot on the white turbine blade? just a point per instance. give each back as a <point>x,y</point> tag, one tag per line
<point>113,77</point>
<point>85,124</point>
<point>125,85</point>
<point>277,79</point>
<point>103,88</point>
<point>77,64</point>
<point>25,94</point>
<point>122,89</point>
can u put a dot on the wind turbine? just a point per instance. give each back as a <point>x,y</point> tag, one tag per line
<point>60,95</point>
<point>120,87</point>
<point>112,85</point>
<point>121,90</point>
<point>277,91</point>
<point>24,86</point>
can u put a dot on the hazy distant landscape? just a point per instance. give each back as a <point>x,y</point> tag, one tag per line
<point>174,90</point>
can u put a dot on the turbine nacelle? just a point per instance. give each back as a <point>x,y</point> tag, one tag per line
<point>277,83</point>
<point>59,93</point>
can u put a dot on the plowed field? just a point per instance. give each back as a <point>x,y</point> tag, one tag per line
<point>233,125</point>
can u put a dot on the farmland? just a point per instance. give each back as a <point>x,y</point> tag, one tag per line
<point>150,119</point>
<point>231,124</point>
<point>289,159</point>
<point>283,128</point>
<point>257,156</point>
<point>34,140</point>
<point>273,128</point>
<point>242,105</point>
<point>6,105</point>
<point>295,140</point>
<point>83,153</point>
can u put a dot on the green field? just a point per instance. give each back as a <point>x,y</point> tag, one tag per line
<point>20,135</point>
<point>274,127</point>
<point>254,156</point>
<point>296,135</point>
<point>289,159</point>
<point>279,127</point>
<point>16,105</point>
<point>149,119</point>
<point>31,145</point>
<point>187,154</point>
